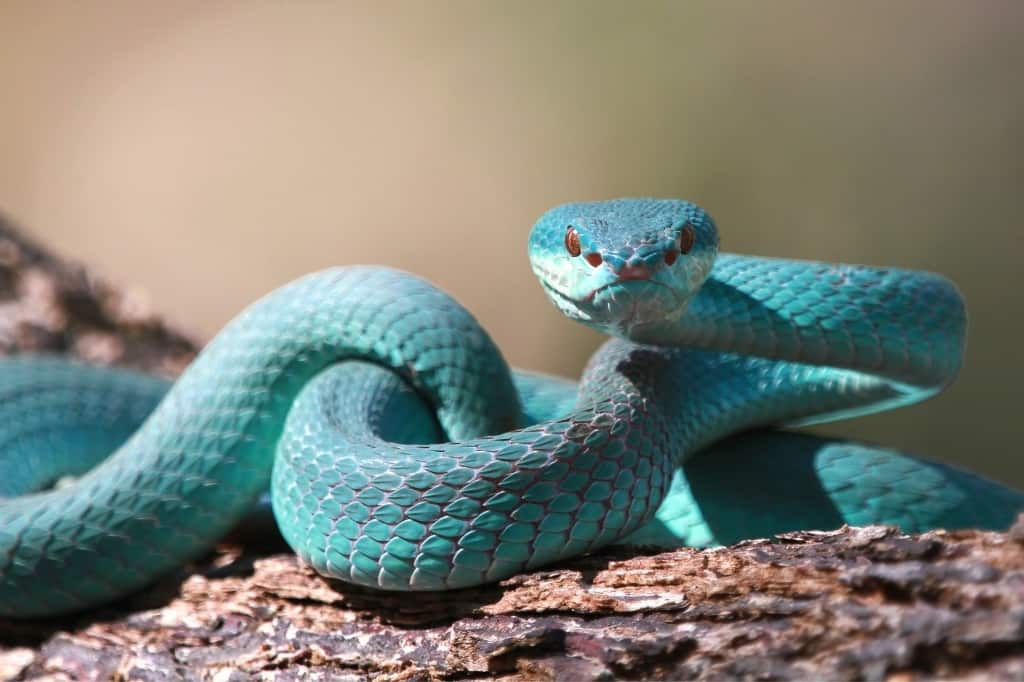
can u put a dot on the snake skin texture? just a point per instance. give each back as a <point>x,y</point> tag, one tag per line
<point>403,454</point>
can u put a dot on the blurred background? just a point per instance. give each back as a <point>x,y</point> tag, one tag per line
<point>205,152</point>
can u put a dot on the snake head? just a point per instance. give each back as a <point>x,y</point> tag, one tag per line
<point>619,266</point>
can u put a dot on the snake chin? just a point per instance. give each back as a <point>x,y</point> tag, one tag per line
<point>622,308</point>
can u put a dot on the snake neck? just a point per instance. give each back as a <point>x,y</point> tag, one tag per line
<point>906,326</point>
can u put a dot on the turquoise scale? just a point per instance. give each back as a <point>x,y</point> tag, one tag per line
<point>403,454</point>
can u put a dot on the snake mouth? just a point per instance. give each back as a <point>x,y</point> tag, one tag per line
<point>564,301</point>
<point>620,307</point>
<point>623,307</point>
<point>625,285</point>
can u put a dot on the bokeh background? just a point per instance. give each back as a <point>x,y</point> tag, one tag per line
<point>206,152</point>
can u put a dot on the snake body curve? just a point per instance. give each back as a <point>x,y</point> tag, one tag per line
<point>368,400</point>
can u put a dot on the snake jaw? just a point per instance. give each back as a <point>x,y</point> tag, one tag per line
<point>621,307</point>
<point>625,305</point>
<point>568,305</point>
<point>622,282</point>
<point>615,302</point>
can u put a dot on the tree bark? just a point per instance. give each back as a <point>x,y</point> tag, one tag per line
<point>847,604</point>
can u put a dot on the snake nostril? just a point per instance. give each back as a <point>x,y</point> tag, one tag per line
<point>670,256</point>
<point>594,259</point>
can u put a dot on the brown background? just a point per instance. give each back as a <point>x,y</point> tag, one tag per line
<point>208,151</point>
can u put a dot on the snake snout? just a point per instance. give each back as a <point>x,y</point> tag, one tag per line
<point>633,271</point>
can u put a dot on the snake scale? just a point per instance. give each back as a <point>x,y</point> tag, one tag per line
<point>403,454</point>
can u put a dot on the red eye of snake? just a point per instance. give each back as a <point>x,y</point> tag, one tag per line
<point>572,241</point>
<point>685,242</point>
<point>686,239</point>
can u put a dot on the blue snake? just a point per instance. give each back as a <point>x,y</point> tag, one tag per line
<point>368,401</point>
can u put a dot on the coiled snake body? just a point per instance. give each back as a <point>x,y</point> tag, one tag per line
<point>368,400</point>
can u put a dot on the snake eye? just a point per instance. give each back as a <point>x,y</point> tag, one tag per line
<point>686,239</point>
<point>572,241</point>
<point>683,244</point>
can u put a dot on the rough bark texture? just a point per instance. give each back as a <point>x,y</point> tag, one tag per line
<point>854,603</point>
<point>48,305</point>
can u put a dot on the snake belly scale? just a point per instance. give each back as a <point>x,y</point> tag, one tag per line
<point>403,454</point>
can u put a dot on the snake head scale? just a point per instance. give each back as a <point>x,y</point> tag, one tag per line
<point>623,265</point>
